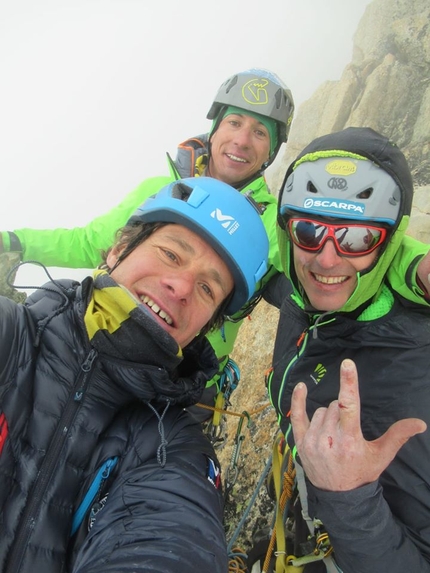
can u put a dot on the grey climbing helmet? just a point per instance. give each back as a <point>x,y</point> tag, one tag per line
<point>258,91</point>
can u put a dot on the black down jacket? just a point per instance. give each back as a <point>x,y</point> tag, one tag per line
<point>65,409</point>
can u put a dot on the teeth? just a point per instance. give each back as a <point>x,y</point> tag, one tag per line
<point>330,280</point>
<point>234,158</point>
<point>165,316</point>
<point>155,308</point>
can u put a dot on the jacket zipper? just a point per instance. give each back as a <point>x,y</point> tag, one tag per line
<point>29,517</point>
<point>301,346</point>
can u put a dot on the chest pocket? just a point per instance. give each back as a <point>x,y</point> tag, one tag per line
<point>94,494</point>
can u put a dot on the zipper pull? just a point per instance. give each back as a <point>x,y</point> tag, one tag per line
<point>300,340</point>
<point>85,367</point>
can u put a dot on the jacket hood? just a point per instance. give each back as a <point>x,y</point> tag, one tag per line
<point>368,144</point>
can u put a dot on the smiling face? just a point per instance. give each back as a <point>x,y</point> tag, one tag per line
<point>178,276</point>
<point>239,147</point>
<point>328,278</point>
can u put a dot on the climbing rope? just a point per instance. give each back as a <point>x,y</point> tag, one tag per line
<point>284,494</point>
<point>237,561</point>
<point>235,553</point>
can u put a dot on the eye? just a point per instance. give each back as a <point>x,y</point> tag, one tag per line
<point>170,255</point>
<point>261,133</point>
<point>207,290</point>
<point>234,122</point>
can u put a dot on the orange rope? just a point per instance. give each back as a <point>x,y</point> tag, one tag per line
<point>237,563</point>
<point>287,493</point>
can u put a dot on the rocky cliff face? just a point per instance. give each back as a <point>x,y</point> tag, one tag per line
<point>386,86</point>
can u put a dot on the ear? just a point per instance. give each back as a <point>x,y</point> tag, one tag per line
<point>113,255</point>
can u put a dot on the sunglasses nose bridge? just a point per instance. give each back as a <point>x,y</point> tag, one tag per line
<point>328,254</point>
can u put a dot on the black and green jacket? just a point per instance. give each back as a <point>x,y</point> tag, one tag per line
<point>383,526</point>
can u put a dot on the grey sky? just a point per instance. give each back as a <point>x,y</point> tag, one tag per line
<point>94,92</point>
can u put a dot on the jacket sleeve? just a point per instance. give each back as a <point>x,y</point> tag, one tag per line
<point>162,519</point>
<point>365,534</point>
<point>81,247</point>
<point>402,273</point>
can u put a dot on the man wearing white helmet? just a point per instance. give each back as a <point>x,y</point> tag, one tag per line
<point>101,467</point>
<point>361,452</point>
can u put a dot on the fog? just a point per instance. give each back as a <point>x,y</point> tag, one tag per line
<point>95,92</point>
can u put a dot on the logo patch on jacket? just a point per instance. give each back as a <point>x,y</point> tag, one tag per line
<point>319,372</point>
<point>213,472</point>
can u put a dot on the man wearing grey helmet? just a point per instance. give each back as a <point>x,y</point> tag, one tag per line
<point>361,452</point>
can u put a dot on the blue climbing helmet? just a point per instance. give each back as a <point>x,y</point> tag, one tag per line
<point>226,219</point>
<point>260,92</point>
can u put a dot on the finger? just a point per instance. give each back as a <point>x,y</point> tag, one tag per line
<point>330,423</point>
<point>387,446</point>
<point>349,399</point>
<point>298,416</point>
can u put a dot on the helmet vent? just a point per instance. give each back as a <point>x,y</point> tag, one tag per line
<point>231,84</point>
<point>311,187</point>
<point>366,194</point>
<point>278,98</point>
<point>181,191</point>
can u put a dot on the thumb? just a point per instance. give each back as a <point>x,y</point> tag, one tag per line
<point>396,436</point>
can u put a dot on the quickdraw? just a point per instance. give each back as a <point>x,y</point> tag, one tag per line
<point>228,382</point>
<point>233,469</point>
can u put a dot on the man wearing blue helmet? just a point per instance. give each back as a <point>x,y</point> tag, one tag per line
<point>101,467</point>
<point>252,113</point>
<point>362,452</point>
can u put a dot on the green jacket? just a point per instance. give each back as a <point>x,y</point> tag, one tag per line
<point>81,247</point>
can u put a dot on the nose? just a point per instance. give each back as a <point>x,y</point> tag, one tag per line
<point>242,137</point>
<point>328,257</point>
<point>180,286</point>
